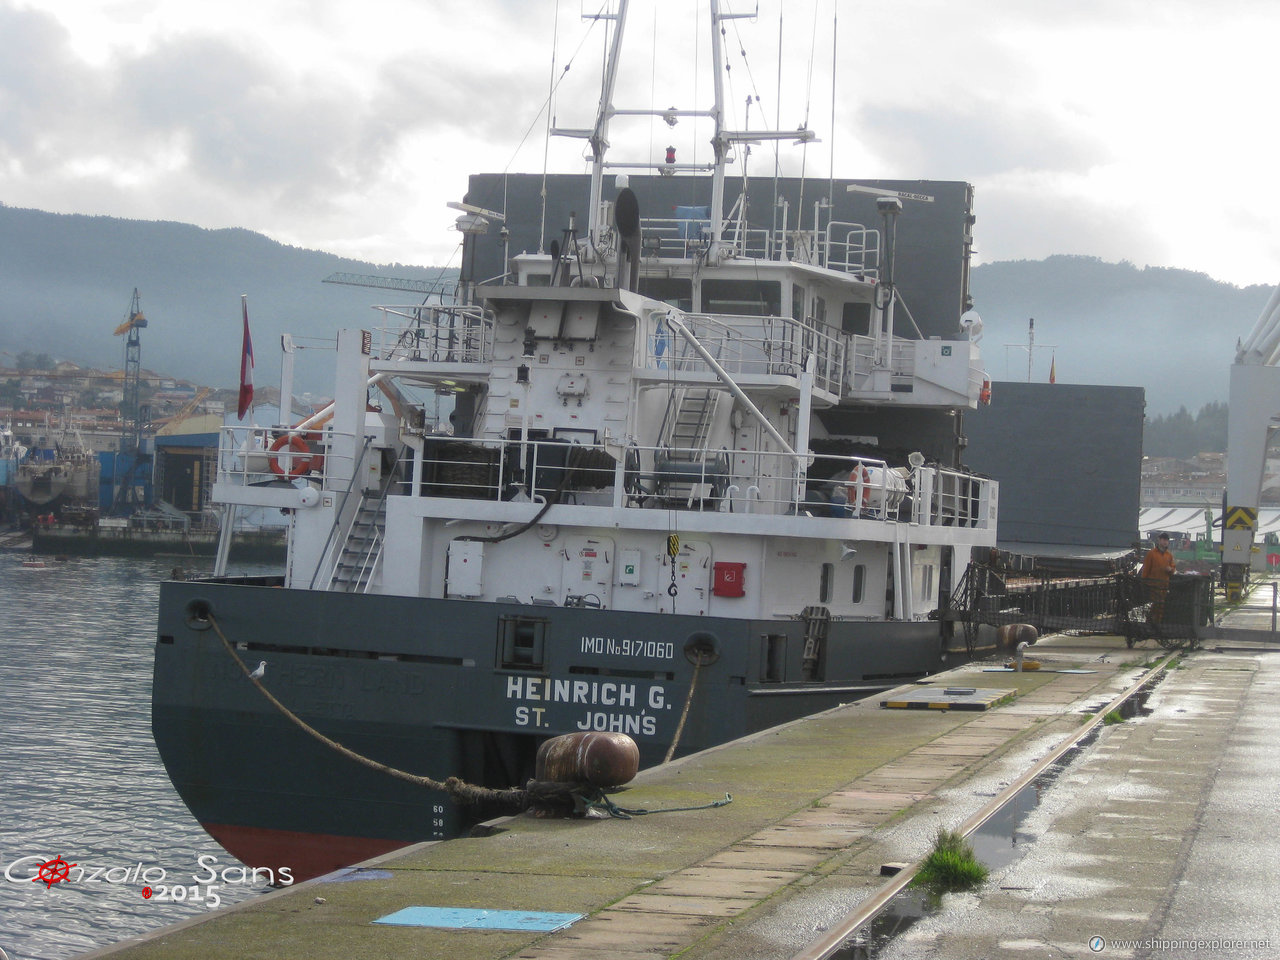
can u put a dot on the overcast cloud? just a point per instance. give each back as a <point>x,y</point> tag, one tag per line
<point>1123,130</point>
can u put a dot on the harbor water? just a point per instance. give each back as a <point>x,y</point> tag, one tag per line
<point>80,780</point>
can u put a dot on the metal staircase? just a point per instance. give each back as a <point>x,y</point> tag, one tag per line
<point>687,470</point>
<point>687,424</point>
<point>362,549</point>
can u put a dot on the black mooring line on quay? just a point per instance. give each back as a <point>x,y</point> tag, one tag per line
<point>834,939</point>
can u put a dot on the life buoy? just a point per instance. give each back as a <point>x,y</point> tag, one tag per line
<point>865,478</point>
<point>984,395</point>
<point>300,458</point>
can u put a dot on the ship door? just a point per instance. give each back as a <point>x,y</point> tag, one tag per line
<point>588,571</point>
<point>692,580</point>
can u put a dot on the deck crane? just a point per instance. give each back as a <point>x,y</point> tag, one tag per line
<point>1253,420</point>
<point>136,414</point>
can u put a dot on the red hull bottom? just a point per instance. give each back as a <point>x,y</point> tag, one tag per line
<point>306,855</point>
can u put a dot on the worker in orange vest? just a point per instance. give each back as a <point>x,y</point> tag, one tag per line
<point>1157,568</point>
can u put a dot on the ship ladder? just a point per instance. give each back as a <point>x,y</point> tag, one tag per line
<point>362,548</point>
<point>817,623</point>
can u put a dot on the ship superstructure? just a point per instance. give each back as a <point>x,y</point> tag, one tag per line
<point>656,500</point>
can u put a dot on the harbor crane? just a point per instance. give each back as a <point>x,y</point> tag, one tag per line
<point>130,462</point>
<point>1252,423</point>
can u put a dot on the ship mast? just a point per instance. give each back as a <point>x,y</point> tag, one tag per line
<point>722,140</point>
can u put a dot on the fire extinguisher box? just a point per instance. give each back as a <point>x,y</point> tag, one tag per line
<point>729,578</point>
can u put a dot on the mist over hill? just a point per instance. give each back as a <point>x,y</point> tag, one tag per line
<point>66,282</point>
<point>1173,332</point>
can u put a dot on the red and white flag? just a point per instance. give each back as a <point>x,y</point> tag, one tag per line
<point>246,364</point>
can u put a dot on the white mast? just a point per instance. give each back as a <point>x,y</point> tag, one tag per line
<point>722,141</point>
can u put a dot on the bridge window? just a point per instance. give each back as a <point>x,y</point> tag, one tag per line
<point>746,298</point>
<point>855,319</point>
<point>673,290</point>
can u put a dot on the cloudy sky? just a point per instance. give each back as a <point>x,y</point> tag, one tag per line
<point>1123,129</point>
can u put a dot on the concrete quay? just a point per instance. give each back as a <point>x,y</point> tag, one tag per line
<point>1135,839</point>
<point>1162,840</point>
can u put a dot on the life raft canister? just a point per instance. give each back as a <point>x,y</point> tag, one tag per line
<point>300,458</point>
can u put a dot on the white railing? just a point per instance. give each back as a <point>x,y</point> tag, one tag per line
<point>435,333</point>
<point>862,352</point>
<point>852,248</point>
<point>631,477</point>
<point>738,481</point>
<point>777,346</point>
<point>846,247</point>
<point>256,455</point>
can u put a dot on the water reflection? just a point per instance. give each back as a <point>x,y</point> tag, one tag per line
<point>80,775</point>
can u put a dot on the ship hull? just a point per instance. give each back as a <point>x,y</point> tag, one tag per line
<point>456,688</point>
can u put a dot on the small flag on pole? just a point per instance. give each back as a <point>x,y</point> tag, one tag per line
<point>1053,369</point>
<point>246,364</point>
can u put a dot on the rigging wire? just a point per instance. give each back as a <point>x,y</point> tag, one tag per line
<point>831,131</point>
<point>808,99</point>
<point>777,123</point>
<point>546,104</point>
<point>546,137</point>
<point>653,75</point>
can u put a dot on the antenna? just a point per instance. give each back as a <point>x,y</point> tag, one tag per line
<point>884,192</point>
<point>478,211</point>
<point>1030,346</point>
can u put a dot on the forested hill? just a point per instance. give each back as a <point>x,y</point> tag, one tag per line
<point>1172,332</point>
<point>66,283</point>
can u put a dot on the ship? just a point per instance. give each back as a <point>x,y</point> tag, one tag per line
<point>11,452</point>
<point>58,471</point>
<point>701,477</point>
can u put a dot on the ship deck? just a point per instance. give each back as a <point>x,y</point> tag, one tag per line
<point>818,806</point>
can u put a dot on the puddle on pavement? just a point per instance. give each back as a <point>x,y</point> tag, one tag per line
<point>997,843</point>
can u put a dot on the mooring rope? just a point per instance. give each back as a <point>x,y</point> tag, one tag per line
<point>684,714</point>
<point>602,802</point>
<point>459,789</point>
<point>545,794</point>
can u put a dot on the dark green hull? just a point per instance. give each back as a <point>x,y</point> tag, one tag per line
<point>454,688</point>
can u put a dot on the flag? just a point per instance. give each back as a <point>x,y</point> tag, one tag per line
<point>246,364</point>
<point>1053,368</point>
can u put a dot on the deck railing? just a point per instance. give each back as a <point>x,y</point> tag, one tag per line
<point>436,333</point>
<point>750,346</point>
<point>737,481</point>
<point>846,247</point>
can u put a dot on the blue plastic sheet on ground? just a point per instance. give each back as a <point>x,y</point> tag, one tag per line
<point>461,918</point>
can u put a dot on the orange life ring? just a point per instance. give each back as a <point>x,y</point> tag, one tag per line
<point>984,395</point>
<point>299,456</point>
<point>866,482</point>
